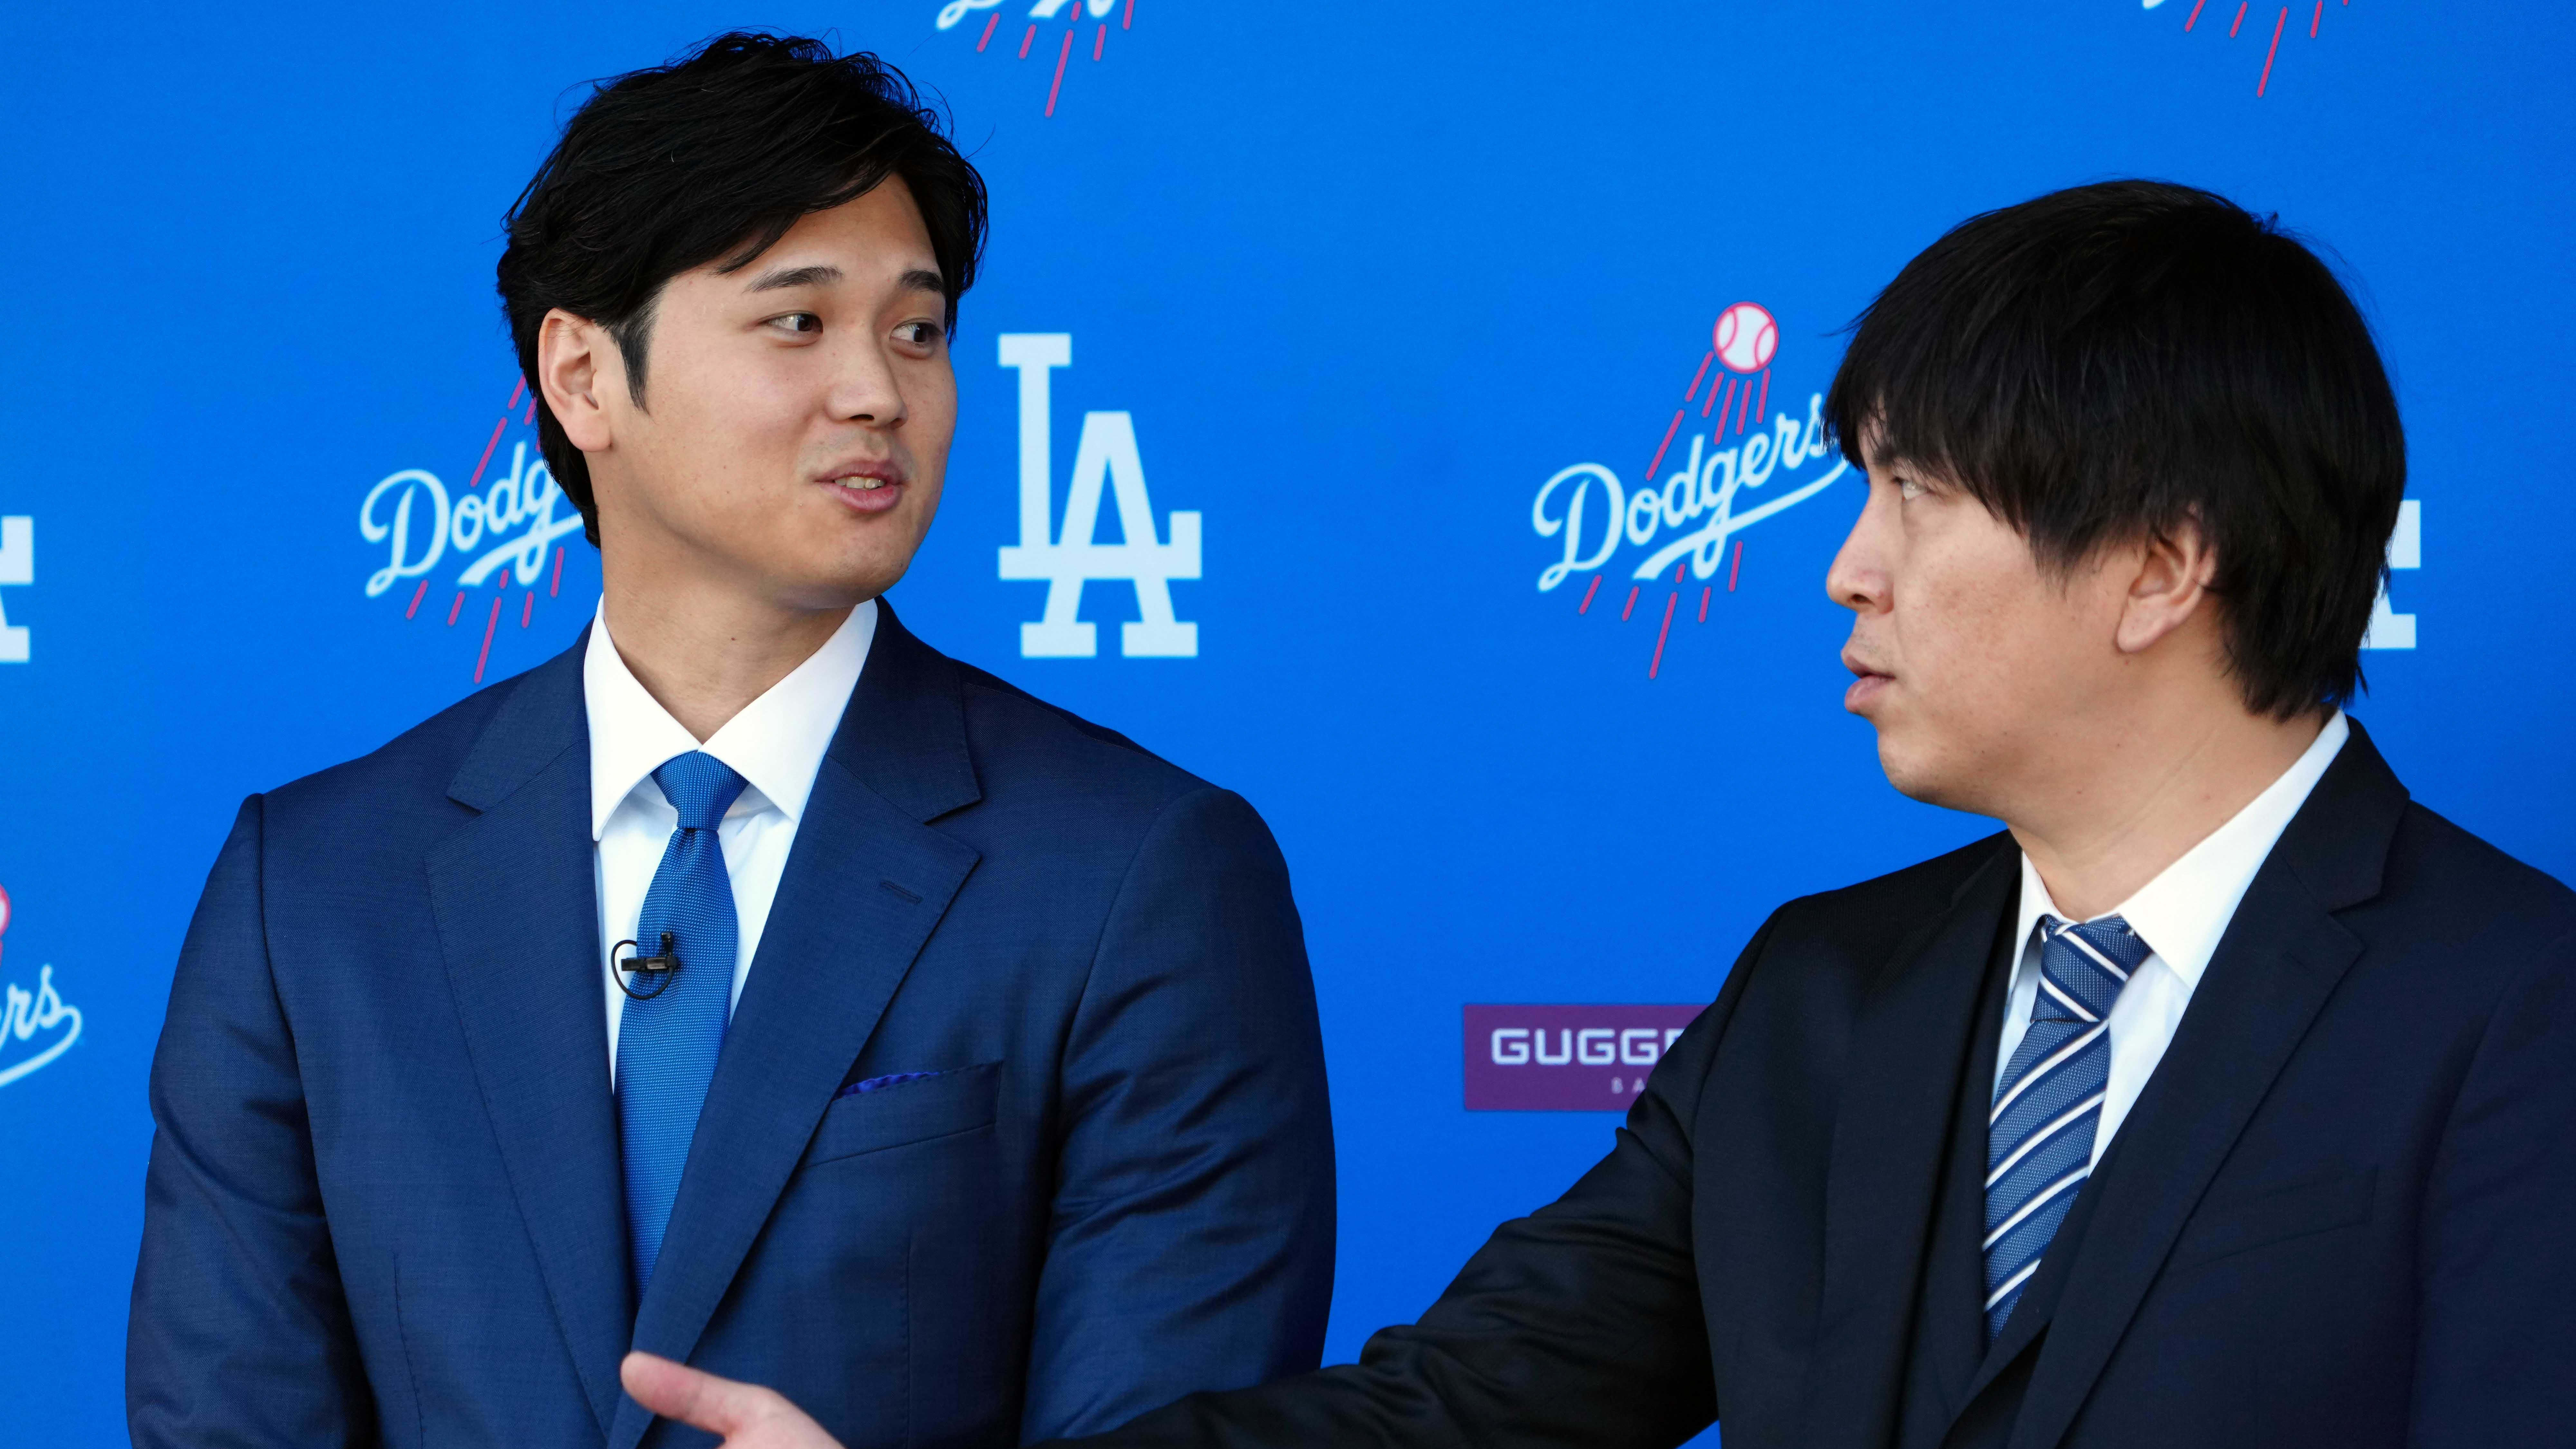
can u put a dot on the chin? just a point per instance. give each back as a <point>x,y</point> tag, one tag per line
<point>1916,773</point>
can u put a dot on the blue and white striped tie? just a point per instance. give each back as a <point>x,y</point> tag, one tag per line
<point>2039,1137</point>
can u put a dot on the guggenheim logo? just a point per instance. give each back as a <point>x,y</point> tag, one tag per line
<point>1566,1058</point>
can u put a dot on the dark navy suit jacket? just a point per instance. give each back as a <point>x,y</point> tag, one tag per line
<point>2342,1215</point>
<point>383,1203</point>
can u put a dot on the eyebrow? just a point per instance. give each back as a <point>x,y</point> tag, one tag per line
<point>794,277</point>
<point>916,280</point>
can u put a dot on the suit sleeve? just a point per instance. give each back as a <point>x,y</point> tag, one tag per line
<point>1191,1240</point>
<point>1581,1324</point>
<point>239,1333</point>
<point>2498,1264</point>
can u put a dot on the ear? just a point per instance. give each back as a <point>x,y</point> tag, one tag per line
<point>578,365</point>
<point>2171,586</point>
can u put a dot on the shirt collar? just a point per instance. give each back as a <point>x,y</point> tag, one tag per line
<point>2183,912</point>
<point>775,743</point>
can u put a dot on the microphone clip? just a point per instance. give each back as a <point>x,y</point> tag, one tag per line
<point>652,974</point>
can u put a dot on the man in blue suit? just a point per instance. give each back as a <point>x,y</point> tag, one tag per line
<point>2224,1099</point>
<point>752,984</point>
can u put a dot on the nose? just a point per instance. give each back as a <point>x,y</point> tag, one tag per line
<point>865,387</point>
<point>1858,578</point>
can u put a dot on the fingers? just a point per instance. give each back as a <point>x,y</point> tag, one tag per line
<point>693,1396</point>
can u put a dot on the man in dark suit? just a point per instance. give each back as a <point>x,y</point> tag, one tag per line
<point>2224,1099</point>
<point>751,984</point>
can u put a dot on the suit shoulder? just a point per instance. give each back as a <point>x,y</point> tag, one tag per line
<point>2440,871</point>
<point>1025,738</point>
<point>417,764</point>
<point>1880,911</point>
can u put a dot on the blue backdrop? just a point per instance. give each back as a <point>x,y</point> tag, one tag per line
<point>1361,280</point>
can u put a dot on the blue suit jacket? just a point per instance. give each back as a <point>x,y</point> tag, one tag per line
<point>2338,1217</point>
<point>383,1203</point>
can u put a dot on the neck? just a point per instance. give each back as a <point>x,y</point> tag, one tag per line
<point>704,651</point>
<point>2127,808</point>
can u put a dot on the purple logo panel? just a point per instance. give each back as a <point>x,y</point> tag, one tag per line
<point>1566,1058</point>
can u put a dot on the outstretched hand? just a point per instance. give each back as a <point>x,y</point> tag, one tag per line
<point>745,1416</point>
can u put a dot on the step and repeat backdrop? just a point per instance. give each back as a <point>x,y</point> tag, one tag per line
<point>1444,379</point>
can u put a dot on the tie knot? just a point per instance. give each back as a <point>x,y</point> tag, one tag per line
<point>700,786</point>
<point>2082,966</point>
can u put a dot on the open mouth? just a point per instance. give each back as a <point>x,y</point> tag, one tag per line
<point>867,492</point>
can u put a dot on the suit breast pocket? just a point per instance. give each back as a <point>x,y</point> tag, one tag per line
<point>924,1109</point>
<point>2238,1223</point>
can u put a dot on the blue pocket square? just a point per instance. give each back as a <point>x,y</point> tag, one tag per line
<point>875,1084</point>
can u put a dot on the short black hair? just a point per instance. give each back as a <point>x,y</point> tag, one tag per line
<point>712,158</point>
<point>2107,363</point>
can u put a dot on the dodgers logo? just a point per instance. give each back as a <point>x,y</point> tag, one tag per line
<point>496,536</point>
<point>1073,15</point>
<point>1106,464</point>
<point>35,1026</point>
<point>1688,525</point>
<point>17,566</point>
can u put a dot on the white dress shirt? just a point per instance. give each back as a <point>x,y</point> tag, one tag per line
<point>776,744</point>
<point>2181,915</point>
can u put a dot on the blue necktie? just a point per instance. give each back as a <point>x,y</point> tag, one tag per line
<point>666,1046</point>
<point>2039,1136</point>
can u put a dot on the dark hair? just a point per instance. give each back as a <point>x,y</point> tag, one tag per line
<point>2110,362</point>
<point>715,156</point>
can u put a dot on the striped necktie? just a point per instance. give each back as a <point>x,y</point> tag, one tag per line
<point>2039,1136</point>
<point>667,1045</point>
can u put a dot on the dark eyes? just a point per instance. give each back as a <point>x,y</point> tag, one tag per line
<point>922,334</point>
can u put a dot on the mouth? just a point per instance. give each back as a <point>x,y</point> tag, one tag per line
<point>1866,688</point>
<point>866,487</point>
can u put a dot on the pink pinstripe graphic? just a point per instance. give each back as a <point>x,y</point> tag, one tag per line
<point>1656,666</point>
<point>1061,56</point>
<point>1697,378</point>
<point>2277,25</point>
<point>488,626</point>
<point>487,450</point>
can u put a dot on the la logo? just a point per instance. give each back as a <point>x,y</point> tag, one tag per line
<point>18,566</point>
<point>1068,560</point>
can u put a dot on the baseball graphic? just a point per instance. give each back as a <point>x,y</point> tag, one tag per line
<point>1746,337</point>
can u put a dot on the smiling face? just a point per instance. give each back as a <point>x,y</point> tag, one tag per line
<point>1987,677</point>
<point>796,414</point>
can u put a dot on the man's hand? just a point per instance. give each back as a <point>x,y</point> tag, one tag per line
<point>746,1415</point>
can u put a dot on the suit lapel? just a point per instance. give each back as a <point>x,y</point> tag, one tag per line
<point>513,897</point>
<point>865,884</point>
<point>1951,1332</point>
<point>2278,962</point>
<point>1912,1039</point>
